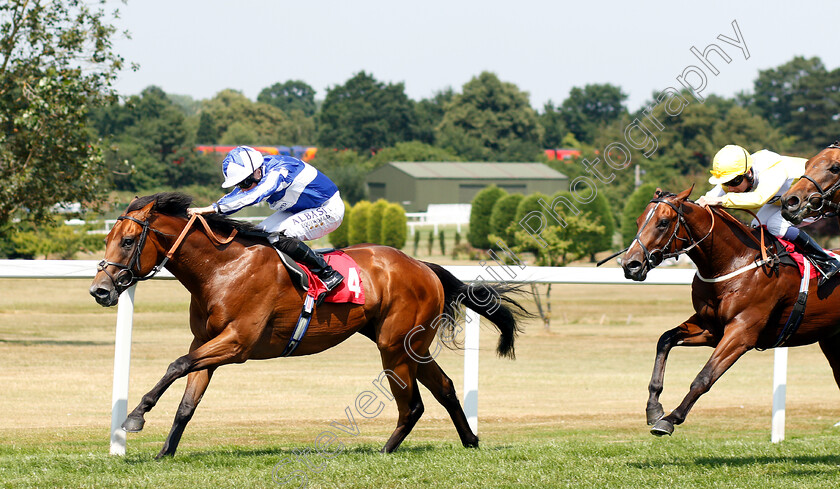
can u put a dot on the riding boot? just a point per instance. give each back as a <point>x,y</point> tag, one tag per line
<point>298,251</point>
<point>826,264</point>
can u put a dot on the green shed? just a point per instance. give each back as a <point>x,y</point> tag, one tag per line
<point>415,185</point>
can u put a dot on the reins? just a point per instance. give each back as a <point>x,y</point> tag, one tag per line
<point>126,277</point>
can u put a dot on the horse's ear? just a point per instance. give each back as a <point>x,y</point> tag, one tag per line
<point>685,193</point>
<point>143,214</point>
<point>657,193</point>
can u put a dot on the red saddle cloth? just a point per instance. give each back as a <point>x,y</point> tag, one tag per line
<point>349,290</point>
<point>800,259</point>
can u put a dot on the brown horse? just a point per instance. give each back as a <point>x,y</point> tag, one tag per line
<point>815,194</point>
<point>740,303</point>
<point>244,306</point>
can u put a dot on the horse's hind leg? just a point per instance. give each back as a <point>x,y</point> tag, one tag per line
<point>688,333</point>
<point>432,376</point>
<point>831,349</point>
<point>196,385</point>
<point>403,381</point>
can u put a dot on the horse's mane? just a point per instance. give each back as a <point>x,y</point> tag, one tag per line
<point>175,204</point>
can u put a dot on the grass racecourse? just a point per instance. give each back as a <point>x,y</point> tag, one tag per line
<point>569,412</point>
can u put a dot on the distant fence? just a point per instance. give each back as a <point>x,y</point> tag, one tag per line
<point>53,269</point>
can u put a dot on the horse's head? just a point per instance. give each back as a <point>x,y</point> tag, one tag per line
<point>127,259</point>
<point>658,236</point>
<point>815,194</point>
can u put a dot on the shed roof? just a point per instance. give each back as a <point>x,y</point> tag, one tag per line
<point>467,170</point>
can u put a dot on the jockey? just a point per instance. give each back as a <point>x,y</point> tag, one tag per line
<point>758,181</point>
<point>307,203</point>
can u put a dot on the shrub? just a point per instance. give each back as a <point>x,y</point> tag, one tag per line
<point>482,207</point>
<point>394,226</point>
<point>357,232</point>
<point>503,215</point>
<point>374,227</point>
<point>339,237</point>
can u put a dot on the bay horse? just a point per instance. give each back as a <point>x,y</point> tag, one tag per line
<point>245,306</point>
<point>815,194</point>
<point>740,301</point>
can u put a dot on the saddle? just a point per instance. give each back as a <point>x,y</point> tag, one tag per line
<point>296,272</point>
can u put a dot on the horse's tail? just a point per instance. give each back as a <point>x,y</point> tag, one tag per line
<point>490,301</point>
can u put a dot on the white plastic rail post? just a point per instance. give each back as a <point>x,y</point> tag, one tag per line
<point>122,361</point>
<point>471,369</point>
<point>780,361</point>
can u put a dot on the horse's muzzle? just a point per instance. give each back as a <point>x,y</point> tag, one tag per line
<point>105,296</point>
<point>635,270</point>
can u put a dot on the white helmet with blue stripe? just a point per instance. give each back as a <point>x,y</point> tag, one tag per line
<point>239,164</point>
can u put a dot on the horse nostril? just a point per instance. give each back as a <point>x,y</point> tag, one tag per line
<point>792,203</point>
<point>99,292</point>
<point>634,265</point>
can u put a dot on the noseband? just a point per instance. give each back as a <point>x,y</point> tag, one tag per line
<point>654,257</point>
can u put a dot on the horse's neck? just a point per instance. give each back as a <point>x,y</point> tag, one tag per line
<point>724,250</point>
<point>198,258</point>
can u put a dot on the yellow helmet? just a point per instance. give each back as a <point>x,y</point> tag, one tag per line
<point>731,161</point>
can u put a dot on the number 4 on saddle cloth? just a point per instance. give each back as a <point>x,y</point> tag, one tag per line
<point>350,290</point>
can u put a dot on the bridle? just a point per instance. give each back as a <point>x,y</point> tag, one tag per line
<point>126,277</point>
<point>656,256</point>
<point>825,196</point>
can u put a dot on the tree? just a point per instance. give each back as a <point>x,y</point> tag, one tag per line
<point>482,207</point>
<point>774,89</point>
<point>289,96</point>
<point>268,124</point>
<point>411,151</point>
<point>554,126</point>
<point>490,120</point>
<point>600,213</point>
<point>346,169</point>
<point>589,107</point>
<point>430,112</point>
<point>147,144</point>
<point>56,62</point>
<point>634,207</point>
<point>365,114</point>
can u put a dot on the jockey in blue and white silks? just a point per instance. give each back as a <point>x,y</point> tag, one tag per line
<point>307,203</point>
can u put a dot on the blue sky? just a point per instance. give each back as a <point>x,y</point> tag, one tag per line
<point>545,48</point>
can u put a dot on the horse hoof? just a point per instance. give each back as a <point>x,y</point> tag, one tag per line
<point>662,427</point>
<point>471,444</point>
<point>654,415</point>
<point>133,424</point>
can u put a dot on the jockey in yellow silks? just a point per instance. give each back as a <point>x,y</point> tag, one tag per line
<point>758,181</point>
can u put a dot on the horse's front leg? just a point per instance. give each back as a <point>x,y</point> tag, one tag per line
<point>731,347</point>
<point>197,383</point>
<point>689,333</point>
<point>223,349</point>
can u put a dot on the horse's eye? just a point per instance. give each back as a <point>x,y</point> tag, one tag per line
<point>835,169</point>
<point>126,242</point>
<point>663,223</point>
